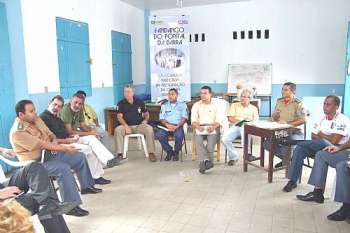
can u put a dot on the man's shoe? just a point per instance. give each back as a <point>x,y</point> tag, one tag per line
<point>289,186</point>
<point>176,157</point>
<point>339,215</point>
<point>278,165</point>
<point>209,164</point>
<point>78,212</point>
<point>168,157</point>
<point>311,197</point>
<point>91,190</point>
<point>112,162</point>
<point>232,162</point>
<point>251,158</point>
<point>102,181</point>
<point>202,167</point>
<point>152,157</point>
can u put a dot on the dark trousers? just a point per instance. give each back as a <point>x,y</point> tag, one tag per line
<point>34,177</point>
<point>162,135</point>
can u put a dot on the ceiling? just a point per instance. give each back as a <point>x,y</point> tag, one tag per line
<point>167,4</point>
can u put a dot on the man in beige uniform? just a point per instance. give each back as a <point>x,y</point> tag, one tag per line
<point>289,109</point>
<point>29,136</point>
<point>205,121</point>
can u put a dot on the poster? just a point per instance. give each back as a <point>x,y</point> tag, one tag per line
<point>169,56</point>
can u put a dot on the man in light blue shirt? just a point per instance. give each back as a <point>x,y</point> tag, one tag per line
<point>173,115</point>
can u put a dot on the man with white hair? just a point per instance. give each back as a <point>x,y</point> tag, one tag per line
<point>239,113</point>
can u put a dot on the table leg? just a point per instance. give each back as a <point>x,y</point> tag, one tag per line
<point>245,152</point>
<point>287,157</point>
<point>262,153</point>
<point>271,155</point>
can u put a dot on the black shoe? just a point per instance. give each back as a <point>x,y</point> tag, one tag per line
<point>91,190</point>
<point>278,165</point>
<point>102,181</point>
<point>55,208</point>
<point>209,164</point>
<point>78,212</point>
<point>176,157</point>
<point>168,157</point>
<point>232,162</point>
<point>339,215</point>
<point>202,167</point>
<point>289,186</point>
<point>251,158</point>
<point>311,197</point>
<point>111,163</point>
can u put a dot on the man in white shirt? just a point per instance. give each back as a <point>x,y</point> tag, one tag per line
<point>205,122</point>
<point>331,130</point>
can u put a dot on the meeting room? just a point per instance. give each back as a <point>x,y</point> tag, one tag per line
<point>174,116</point>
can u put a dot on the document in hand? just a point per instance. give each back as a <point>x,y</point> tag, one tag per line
<point>205,131</point>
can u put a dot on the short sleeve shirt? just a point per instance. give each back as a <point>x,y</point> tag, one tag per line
<point>55,124</point>
<point>132,113</point>
<point>173,112</point>
<point>290,111</point>
<point>70,117</point>
<point>205,113</point>
<point>27,138</point>
<point>338,125</point>
<point>89,115</point>
<point>240,112</point>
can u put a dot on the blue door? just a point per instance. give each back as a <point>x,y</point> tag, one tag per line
<point>121,60</point>
<point>7,95</point>
<point>347,77</point>
<point>73,56</point>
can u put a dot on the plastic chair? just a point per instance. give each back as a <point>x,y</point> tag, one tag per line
<point>140,137</point>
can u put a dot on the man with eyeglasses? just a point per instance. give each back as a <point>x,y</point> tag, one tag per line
<point>239,113</point>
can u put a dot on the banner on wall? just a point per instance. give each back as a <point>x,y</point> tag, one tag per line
<point>169,56</point>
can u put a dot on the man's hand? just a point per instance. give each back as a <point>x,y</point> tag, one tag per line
<point>331,149</point>
<point>144,122</point>
<point>171,127</point>
<point>276,115</point>
<point>9,192</point>
<point>8,152</point>
<point>71,150</point>
<point>211,128</point>
<point>127,129</point>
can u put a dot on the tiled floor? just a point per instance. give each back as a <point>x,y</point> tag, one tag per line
<point>173,197</point>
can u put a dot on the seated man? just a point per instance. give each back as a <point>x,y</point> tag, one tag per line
<point>289,109</point>
<point>41,199</point>
<point>330,156</point>
<point>239,113</point>
<point>29,136</point>
<point>133,117</point>
<point>332,130</point>
<point>342,192</point>
<point>205,118</point>
<point>90,116</point>
<point>56,125</point>
<point>173,115</point>
<point>74,121</point>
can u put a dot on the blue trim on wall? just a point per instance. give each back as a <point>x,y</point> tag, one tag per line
<point>147,56</point>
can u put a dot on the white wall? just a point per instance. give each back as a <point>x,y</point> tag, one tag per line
<point>102,16</point>
<point>307,39</point>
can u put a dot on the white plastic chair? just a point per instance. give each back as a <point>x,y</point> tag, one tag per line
<point>11,163</point>
<point>140,137</point>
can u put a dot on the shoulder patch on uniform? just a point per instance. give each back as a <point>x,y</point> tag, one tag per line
<point>279,99</point>
<point>20,126</point>
<point>297,100</point>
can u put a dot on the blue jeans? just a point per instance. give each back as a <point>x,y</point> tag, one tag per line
<point>60,165</point>
<point>163,135</point>
<point>304,149</point>
<point>227,139</point>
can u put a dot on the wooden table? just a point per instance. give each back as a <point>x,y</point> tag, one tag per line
<point>266,135</point>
